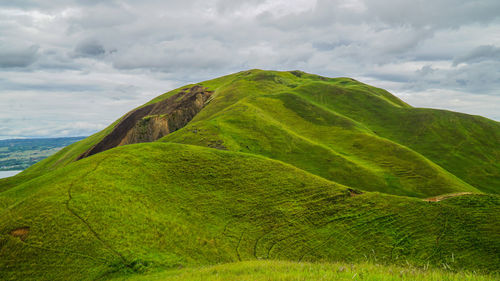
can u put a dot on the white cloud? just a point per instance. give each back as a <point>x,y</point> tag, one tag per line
<point>454,100</point>
<point>87,62</point>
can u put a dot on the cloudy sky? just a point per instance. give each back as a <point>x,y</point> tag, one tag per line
<point>70,68</point>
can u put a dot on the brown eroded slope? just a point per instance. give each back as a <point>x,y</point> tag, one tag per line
<point>154,121</point>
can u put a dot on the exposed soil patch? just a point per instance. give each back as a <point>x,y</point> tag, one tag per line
<point>446,196</point>
<point>217,145</point>
<point>154,121</point>
<point>354,192</point>
<point>21,233</point>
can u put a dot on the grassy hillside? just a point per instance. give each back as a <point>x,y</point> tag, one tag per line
<point>276,114</point>
<point>261,165</point>
<point>336,128</point>
<point>467,146</point>
<point>293,271</point>
<point>146,207</point>
<point>68,154</point>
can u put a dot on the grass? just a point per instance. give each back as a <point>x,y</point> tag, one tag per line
<point>277,115</point>
<point>278,166</point>
<point>465,145</point>
<point>337,128</point>
<point>147,207</point>
<point>294,271</point>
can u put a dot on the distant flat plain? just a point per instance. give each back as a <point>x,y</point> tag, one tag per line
<point>18,154</point>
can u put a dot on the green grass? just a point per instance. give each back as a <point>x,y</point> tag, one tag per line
<point>465,145</point>
<point>296,120</point>
<point>147,207</point>
<point>293,271</point>
<point>337,128</point>
<point>263,172</point>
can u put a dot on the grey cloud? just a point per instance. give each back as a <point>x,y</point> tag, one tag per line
<point>393,77</point>
<point>481,53</point>
<point>101,16</point>
<point>228,6</point>
<point>181,55</point>
<point>438,13</point>
<point>119,54</point>
<point>431,57</point>
<point>50,87</point>
<point>480,78</point>
<point>426,70</point>
<point>58,60</point>
<point>326,46</point>
<point>11,56</point>
<point>89,48</point>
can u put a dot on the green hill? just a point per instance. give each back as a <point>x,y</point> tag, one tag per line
<point>155,205</point>
<point>259,165</point>
<point>336,128</point>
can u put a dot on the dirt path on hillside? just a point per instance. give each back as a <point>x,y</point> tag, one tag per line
<point>445,196</point>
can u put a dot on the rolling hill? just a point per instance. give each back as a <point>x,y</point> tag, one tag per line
<point>259,165</point>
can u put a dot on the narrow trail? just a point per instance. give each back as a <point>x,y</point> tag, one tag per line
<point>446,196</point>
<point>257,242</point>
<point>87,224</point>
<point>238,246</point>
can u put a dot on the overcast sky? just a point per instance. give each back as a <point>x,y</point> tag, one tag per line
<point>70,68</point>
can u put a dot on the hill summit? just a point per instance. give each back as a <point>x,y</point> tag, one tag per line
<point>337,128</point>
<point>260,165</point>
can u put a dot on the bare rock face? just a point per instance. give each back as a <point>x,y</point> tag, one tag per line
<point>151,122</point>
<point>148,129</point>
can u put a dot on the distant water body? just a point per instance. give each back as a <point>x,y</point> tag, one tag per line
<point>6,174</point>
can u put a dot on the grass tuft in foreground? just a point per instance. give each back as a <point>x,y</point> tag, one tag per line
<point>285,270</point>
